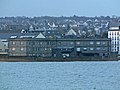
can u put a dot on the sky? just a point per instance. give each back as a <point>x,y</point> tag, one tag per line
<point>58,8</point>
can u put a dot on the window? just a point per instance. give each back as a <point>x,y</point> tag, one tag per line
<point>78,49</point>
<point>13,49</point>
<point>29,43</point>
<point>85,49</point>
<point>45,49</point>
<point>98,43</point>
<point>98,48</point>
<point>105,48</point>
<point>91,49</point>
<point>71,43</point>
<point>103,43</point>
<point>91,42</point>
<point>117,37</point>
<point>110,33</point>
<point>13,43</point>
<point>21,49</point>
<point>50,49</point>
<point>40,43</point>
<point>21,43</point>
<point>117,33</point>
<point>78,43</point>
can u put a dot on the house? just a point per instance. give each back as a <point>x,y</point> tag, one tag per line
<point>3,48</point>
<point>114,35</point>
<point>71,32</point>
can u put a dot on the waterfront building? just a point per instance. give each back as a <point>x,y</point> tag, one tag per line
<point>114,35</point>
<point>59,47</point>
<point>5,35</point>
<point>3,48</point>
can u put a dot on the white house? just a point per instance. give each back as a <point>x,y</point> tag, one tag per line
<point>114,35</point>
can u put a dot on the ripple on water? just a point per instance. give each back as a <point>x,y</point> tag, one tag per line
<point>60,76</point>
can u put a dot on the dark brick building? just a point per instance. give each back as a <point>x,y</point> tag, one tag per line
<point>59,47</point>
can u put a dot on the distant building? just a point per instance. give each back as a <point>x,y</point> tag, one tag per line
<point>59,47</point>
<point>13,27</point>
<point>3,48</point>
<point>31,47</point>
<point>71,32</point>
<point>4,36</point>
<point>31,28</point>
<point>114,35</point>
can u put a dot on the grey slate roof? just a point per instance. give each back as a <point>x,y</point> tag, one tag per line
<point>115,24</point>
<point>18,35</point>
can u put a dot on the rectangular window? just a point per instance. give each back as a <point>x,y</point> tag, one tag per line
<point>50,49</point>
<point>78,43</point>
<point>13,49</point>
<point>22,49</point>
<point>117,33</point>
<point>98,43</point>
<point>85,49</point>
<point>13,43</point>
<point>91,43</point>
<point>103,42</point>
<point>45,49</point>
<point>98,49</point>
<point>21,43</point>
<point>78,49</point>
<point>105,49</point>
<point>91,49</point>
<point>71,43</point>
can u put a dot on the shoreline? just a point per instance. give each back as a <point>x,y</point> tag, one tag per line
<point>34,59</point>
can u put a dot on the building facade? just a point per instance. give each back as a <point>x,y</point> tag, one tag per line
<point>59,47</point>
<point>114,35</point>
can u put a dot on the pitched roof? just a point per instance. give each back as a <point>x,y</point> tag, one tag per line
<point>71,32</point>
<point>40,36</point>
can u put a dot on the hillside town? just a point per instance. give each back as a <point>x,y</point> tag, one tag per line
<point>60,37</point>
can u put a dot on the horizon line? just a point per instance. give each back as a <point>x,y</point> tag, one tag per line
<point>61,16</point>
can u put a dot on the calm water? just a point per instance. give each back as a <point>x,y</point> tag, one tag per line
<point>60,76</point>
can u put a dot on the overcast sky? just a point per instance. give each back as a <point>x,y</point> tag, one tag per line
<point>59,7</point>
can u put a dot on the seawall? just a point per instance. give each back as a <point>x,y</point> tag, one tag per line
<point>34,59</point>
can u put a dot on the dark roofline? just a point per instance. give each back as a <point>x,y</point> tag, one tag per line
<point>59,39</point>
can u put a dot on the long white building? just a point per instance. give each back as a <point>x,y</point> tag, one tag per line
<point>114,35</point>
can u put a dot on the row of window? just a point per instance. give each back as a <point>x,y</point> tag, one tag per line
<point>59,43</point>
<point>21,49</point>
<point>114,38</point>
<point>65,43</point>
<point>114,33</point>
<point>42,49</point>
<point>34,49</point>
<point>91,43</point>
<point>21,43</point>
<point>91,49</point>
<point>33,43</point>
<point>42,55</point>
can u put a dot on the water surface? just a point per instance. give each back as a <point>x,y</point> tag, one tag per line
<point>60,76</point>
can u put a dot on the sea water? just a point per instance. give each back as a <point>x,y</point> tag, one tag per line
<point>60,75</point>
